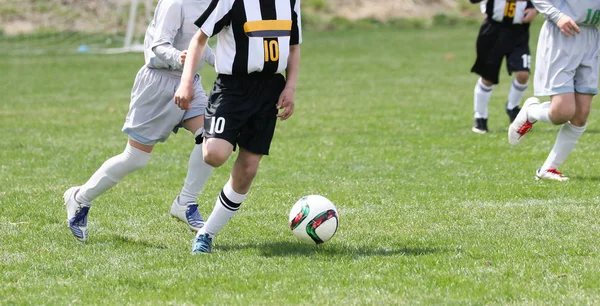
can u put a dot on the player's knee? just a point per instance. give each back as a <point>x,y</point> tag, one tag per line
<point>522,77</point>
<point>215,158</point>
<point>562,115</point>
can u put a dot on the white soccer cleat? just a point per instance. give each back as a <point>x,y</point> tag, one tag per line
<point>187,214</point>
<point>521,125</point>
<point>76,214</point>
<point>550,174</point>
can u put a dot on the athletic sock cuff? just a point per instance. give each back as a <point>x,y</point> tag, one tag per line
<point>520,87</point>
<point>232,195</point>
<point>483,86</point>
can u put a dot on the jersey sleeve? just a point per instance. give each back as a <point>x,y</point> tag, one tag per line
<point>216,17</point>
<point>530,4</point>
<point>546,8</point>
<point>296,35</point>
<point>167,20</point>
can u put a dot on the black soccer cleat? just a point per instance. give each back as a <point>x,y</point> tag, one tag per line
<point>512,113</point>
<point>480,126</point>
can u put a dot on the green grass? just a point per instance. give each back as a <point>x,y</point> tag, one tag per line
<point>431,213</point>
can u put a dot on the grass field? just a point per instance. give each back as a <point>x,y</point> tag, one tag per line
<point>431,213</point>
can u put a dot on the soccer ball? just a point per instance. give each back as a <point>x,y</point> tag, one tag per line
<point>314,219</point>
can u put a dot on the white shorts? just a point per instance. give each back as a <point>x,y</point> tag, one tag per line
<point>566,64</point>
<point>153,114</point>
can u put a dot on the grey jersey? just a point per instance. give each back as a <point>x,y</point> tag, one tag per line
<point>171,31</point>
<point>583,12</point>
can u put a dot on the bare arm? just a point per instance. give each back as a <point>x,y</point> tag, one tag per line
<point>565,23</point>
<point>286,99</point>
<point>185,92</point>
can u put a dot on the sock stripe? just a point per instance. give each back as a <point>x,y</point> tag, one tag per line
<point>518,86</point>
<point>485,89</point>
<point>227,203</point>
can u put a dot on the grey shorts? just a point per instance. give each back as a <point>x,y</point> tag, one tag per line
<point>566,64</point>
<point>153,114</point>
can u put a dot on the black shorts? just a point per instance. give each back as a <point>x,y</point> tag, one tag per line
<point>243,110</point>
<point>496,41</point>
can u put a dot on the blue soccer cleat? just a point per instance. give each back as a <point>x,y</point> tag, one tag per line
<point>202,244</point>
<point>188,214</point>
<point>76,215</point>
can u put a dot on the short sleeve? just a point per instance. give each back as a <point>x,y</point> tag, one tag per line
<point>216,17</point>
<point>530,4</point>
<point>296,35</point>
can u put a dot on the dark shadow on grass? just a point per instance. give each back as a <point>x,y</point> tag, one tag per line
<point>124,240</point>
<point>276,249</point>
<point>584,178</point>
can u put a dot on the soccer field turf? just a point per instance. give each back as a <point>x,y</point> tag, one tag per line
<point>430,213</point>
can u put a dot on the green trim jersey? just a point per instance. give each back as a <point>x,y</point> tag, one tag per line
<point>583,12</point>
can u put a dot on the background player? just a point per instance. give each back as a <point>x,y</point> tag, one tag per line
<point>567,71</point>
<point>504,33</point>
<point>257,41</point>
<point>152,116</point>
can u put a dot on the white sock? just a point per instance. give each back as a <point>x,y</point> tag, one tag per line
<point>112,172</point>
<point>565,143</point>
<point>197,175</point>
<point>482,99</point>
<point>516,93</point>
<point>539,112</point>
<point>226,206</point>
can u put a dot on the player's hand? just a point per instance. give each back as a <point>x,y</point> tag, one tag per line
<point>183,96</point>
<point>286,102</point>
<point>529,15</point>
<point>567,26</point>
<point>182,56</point>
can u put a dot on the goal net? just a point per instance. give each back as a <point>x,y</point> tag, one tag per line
<point>70,26</point>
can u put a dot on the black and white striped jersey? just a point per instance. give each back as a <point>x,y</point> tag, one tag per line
<point>253,35</point>
<point>506,11</point>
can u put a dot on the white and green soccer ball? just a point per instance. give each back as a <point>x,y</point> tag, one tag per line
<point>314,219</point>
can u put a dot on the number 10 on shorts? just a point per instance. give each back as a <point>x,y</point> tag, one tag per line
<point>217,125</point>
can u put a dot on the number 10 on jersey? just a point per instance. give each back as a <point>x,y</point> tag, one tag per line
<point>271,50</point>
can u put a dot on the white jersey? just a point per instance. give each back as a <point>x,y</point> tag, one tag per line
<point>171,30</point>
<point>583,12</point>
<point>253,35</point>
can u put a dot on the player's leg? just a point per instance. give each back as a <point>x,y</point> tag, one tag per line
<point>487,66</point>
<point>254,139</point>
<point>567,138</point>
<point>553,77</point>
<point>586,86</point>
<point>230,199</point>
<point>519,62</point>
<point>185,207</point>
<point>78,200</point>
<point>150,120</point>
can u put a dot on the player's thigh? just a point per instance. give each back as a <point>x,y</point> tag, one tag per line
<point>152,114</point>
<point>257,133</point>
<point>490,53</point>
<point>586,75</point>
<point>193,119</point>
<point>556,62</point>
<point>519,58</point>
